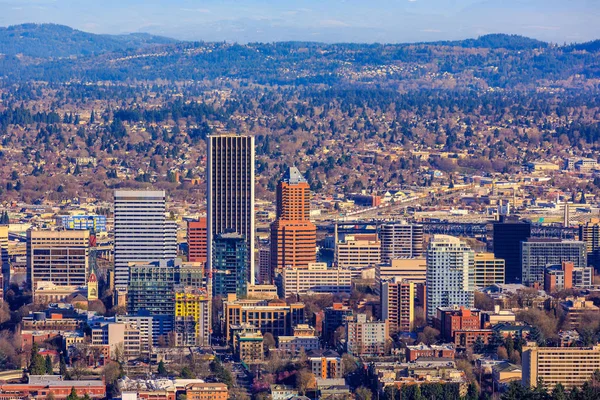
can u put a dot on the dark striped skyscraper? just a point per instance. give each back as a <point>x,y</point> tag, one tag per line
<point>230,192</point>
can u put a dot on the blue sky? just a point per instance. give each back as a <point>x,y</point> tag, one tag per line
<point>388,21</point>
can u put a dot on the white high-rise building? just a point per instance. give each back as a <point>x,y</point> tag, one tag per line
<point>230,192</point>
<point>450,274</point>
<point>400,240</point>
<point>142,231</point>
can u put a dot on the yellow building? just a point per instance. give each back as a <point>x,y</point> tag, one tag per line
<point>569,366</point>
<point>192,317</point>
<point>489,270</point>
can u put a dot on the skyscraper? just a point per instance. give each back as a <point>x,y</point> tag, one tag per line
<point>293,235</point>
<point>450,274</point>
<point>230,192</point>
<point>398,304</point>
<point>508,235</point>
<point>196,232</point>
<point>400,240</point>
<point>57,256</point>
<point>142,232</point>
<point>229,265</point>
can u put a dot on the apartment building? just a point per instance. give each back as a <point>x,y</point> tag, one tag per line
<point>569,366</point>
<point>366,337</point>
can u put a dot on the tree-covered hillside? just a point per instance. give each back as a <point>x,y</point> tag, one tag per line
<point>54,41</point>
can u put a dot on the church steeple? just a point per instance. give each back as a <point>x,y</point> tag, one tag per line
<point>92,286</point>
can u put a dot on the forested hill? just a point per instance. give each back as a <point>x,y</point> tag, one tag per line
<point>56,54</point>
<point>55,41</point>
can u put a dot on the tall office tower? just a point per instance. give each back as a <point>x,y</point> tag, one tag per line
<point>590,235</point>
<point>230,192</point>
<point>508,235</point>
<point>537,254</point>
<point>57,256</point>
<point>196,233</point>
<point>398,304</point>
<point>4,259</point>
<point>265,272</point>
<point>229,273</point>
<point>400,240</point>
<point>488,270</point>
<point>142,232</point>
<point>293,235</point>
<point>450,274</point>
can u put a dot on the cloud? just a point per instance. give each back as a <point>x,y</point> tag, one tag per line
<point>198,10</point>
<point>332,23</point>
<point>431,30</point>
<point>543,28</point>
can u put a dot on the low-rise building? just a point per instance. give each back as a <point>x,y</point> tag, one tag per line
<point>275,316</point>
<point>40,386</point>
<point>491,318</point>
<point>249,347</point>
<point>293,344</point>
<point>432,351</point>
<point>575,308</point>
<point>206,391</point>
<point>569,366</point>
<point>317,278</point>
<point>505,372</point>
<point>326,364</point>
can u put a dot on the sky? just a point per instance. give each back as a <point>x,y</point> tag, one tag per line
<point>382,21</point>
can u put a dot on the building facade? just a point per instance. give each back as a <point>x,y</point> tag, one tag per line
<point>293,235</point>
<point>537,254</point>
<point>57,256</point>
<point>489,270</point>
<point>559,365</point>
<point>230,192</point>
<point>401,240</point>
<point>450,274</point>
<point>414,270</point>
<point>192,316</point>
<point>197,247</point>
<point>507,237</point>
<point>317,278</point>
<point>275,316</point>
<point>142,232</point>
<point>229,265</point>
<point>366,337</point>
<point>95,223</point>
<point>358,251</point>
<point>398,304</point>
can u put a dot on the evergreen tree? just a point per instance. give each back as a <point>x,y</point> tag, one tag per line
<point>63,368</point>
<point>49,369</point>
<point>162,371</point>
<point>478,346</point>
<point>559,393</point>
<point>37,364</point>
<point>73,394</point>
<point>537,336</point>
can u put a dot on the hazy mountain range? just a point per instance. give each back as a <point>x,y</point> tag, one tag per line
<point>389,21</point>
